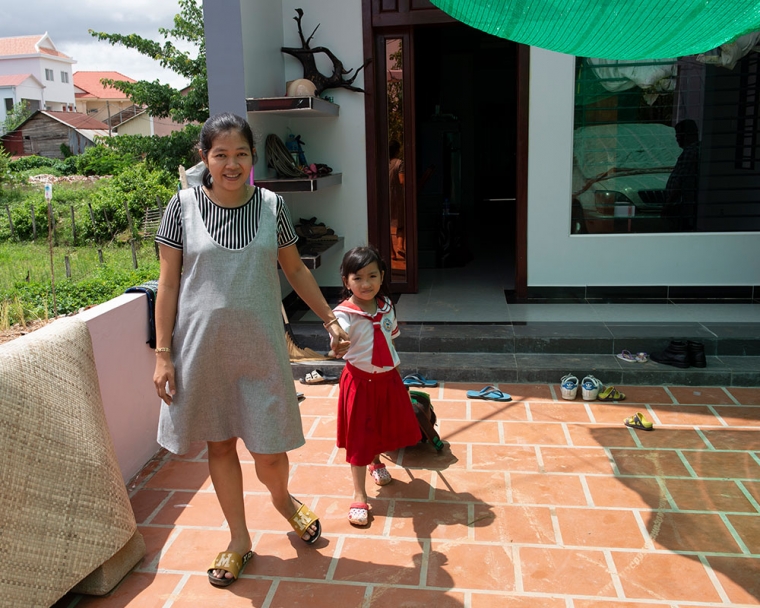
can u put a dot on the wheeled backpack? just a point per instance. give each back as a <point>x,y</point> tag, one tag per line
<point>426,418</point>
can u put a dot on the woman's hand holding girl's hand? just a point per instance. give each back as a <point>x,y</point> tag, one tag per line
<point>164,374</point>
<point>339,341</point>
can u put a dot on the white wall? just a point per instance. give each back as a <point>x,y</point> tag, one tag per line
<point>338,142</point>
<point>557,259</point>
<point>57,93</point>
<point>125,365</point>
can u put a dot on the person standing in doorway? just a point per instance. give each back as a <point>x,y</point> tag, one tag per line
<point>222,369</point>
<point>397,206</point>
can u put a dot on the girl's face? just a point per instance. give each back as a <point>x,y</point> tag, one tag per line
<point>229,160</point>
<point>365,283</point>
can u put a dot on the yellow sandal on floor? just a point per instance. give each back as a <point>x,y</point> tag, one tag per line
<point>231,562</point>
<point>610,393</point>
<point>639,421</point>
<point>302,520</point>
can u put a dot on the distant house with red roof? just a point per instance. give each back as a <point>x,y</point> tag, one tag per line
<point>34,71</point>
<point>99,101</point>
<point>116,110</point>
<point>48,134</point>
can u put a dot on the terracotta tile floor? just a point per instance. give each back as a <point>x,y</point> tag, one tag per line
<point>536,503</point>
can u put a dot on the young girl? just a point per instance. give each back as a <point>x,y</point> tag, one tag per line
<point>375,414</point>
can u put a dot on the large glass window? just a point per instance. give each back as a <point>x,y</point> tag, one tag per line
<point>667,145</point>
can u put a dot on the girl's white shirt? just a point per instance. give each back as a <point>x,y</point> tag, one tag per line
<point>358,325</point>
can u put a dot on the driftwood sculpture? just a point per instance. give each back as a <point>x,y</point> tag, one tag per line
<point>310,72</point>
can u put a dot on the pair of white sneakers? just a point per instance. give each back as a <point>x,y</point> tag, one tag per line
<point>590,387</point>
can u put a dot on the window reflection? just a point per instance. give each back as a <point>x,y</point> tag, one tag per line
<point>666,146</point>
<point>396,195</point>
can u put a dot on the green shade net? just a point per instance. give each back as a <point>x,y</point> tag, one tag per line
<point>611,29</point>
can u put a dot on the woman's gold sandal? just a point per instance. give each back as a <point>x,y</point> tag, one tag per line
<point>302,520</point>
<point>231,562</point>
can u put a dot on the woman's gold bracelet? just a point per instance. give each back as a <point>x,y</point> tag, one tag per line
<point>330,322</point>
<point>163,349</point>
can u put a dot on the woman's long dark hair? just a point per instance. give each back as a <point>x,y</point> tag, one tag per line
<point>215,126</point>
<point>356,259</point>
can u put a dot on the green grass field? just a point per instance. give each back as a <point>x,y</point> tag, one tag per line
<point>25,285</point>
<point>19,260</point>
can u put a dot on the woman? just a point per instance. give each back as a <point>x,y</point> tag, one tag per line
<point>222,368</point>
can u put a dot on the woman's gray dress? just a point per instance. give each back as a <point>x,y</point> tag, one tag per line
<point>233,375</point>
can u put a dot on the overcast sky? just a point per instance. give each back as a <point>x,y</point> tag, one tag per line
<point>67,23</point>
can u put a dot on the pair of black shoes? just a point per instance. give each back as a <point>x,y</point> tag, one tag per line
<point>682,354</point>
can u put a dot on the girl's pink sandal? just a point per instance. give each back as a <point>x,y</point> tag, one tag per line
<point>358,514</point>
<point>380,474</point>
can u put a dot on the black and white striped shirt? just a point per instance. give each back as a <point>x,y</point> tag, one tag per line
<point>231,228</point>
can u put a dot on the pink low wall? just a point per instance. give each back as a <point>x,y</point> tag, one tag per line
<point>125,362</point>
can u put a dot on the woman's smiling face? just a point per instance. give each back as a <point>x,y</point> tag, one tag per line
<point>229,160</point>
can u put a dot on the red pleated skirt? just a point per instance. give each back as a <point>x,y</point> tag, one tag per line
<point>375,415</point>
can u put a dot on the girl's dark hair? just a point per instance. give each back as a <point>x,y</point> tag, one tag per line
<point>215,126</point>
<point>356,259</point>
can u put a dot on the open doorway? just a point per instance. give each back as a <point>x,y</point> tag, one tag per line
<point>465,108</point>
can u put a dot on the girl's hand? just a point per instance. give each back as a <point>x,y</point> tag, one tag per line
<point>164,374</point>
<point>339,341</point>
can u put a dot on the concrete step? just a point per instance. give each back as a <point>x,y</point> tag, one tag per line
<point>544,352</point>
<point>719,339</point>
<point>490,368</point>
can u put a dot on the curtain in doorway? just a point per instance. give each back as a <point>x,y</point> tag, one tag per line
<point>611,29</point>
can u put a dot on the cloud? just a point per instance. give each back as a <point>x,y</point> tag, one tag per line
<point>68,23</point>
<point>101,56</point>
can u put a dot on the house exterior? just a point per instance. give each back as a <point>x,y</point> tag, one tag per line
<point>142,123</point>
<point>515,184</point>
<point>101,102</point>
<point>46,133</point>
<point>18,88</point>
<point>33,70</point>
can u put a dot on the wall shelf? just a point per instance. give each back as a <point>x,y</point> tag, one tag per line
<point>312,251</point>
<point>298,184</point>
<point>301,107</point>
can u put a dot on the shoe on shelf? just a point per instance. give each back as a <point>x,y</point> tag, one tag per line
<point>696,354</point>
<point>675,354</point>
<point>569,386</point>
<point>590,388</point>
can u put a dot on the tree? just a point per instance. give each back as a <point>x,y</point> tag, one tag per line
<point>162,100</point>
<point>16,115</point>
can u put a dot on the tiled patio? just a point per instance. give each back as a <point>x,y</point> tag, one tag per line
<point>540,502</point>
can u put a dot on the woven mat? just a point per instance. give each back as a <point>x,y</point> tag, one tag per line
<point>64,508</point>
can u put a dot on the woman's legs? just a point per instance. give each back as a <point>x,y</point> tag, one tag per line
<point>224,466</point>
<point>272,470</point>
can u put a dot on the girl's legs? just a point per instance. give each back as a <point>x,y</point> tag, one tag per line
<point>272,470</point>
<point>359,476</point>
<point>224,466</point>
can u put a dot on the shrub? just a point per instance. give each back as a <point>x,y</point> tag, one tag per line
<point>162,152</point>
<point>138,187</point>
<point>103,160</point>
<point>34,162</point>
<point>34,165</point>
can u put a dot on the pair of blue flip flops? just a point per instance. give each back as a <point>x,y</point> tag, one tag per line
<point>419,380</point>
<point>489,393</point>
